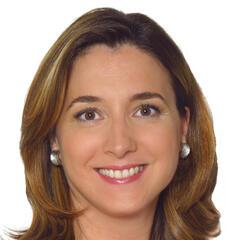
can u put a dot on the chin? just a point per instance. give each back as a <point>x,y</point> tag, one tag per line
<point>128,209</point>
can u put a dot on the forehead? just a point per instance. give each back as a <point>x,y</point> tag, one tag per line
<point>120,71</point>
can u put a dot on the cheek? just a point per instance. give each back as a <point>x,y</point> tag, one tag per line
<point>162,145</point>
<point>78,148</point>
<point>162,139</point>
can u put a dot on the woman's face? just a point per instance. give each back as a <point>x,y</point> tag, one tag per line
<point>130,120</point>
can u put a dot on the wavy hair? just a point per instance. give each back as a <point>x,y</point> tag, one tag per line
<point>185,209</point>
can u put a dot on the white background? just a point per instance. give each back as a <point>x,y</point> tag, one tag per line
<point>206,31</point>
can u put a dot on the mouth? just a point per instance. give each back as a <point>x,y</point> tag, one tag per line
<point>123,174</point>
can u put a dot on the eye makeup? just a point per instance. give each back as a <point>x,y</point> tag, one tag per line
<point>91,112</point>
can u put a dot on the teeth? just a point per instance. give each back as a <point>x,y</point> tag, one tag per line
<point>111,173</point>
<point>136,169</point>
<point>131,171</point>
<point>119,174</point>
<point>125,173</point>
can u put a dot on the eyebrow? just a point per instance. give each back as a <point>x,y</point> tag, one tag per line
<point>135,97</point>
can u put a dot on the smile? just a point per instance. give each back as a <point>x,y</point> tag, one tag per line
<point>121,176</point>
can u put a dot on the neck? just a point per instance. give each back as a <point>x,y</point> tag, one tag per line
<point>94,224</point>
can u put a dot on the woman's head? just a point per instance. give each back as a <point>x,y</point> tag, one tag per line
<point>113,55</point>
<point>92,134</point>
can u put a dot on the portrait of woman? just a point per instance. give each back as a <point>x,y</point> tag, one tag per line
<point>117,137</point>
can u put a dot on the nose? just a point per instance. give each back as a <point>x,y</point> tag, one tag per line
<point>120,139</point>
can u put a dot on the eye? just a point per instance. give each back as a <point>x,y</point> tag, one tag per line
<point>147,110</point>
<point>87,114</point>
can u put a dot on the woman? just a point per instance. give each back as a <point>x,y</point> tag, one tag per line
<point>117,138</point>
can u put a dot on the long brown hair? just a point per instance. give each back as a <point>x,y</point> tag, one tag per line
<point>185,209</point>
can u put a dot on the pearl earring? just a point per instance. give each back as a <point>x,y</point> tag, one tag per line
<point>54,157</point>
<point>185,150</point>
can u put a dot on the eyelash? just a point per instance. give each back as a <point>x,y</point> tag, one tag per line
<point>93,109</point>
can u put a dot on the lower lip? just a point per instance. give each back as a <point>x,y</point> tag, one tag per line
<point>126,180</point>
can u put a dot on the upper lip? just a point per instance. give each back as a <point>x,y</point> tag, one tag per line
<point>116,167</point>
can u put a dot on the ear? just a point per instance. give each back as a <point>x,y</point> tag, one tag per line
<point>185,124</point>
<point>54,144</point>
